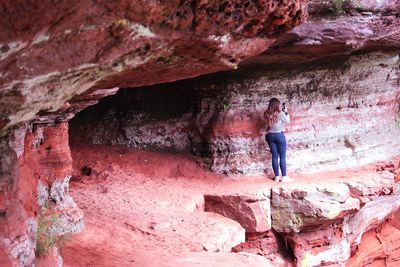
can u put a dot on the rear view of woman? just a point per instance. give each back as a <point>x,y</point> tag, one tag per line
<point>276,119</point>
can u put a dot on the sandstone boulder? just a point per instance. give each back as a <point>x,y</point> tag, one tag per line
<point>369,217</point>
<point>371,186</point>
<point>222,233</point>
<point>322,245</point>
<point>296,206</point>
<point>267,244</point>
<point>252,211</point>
<point>334,244</point>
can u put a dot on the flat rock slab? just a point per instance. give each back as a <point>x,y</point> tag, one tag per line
<point>251,209</point>
<point>196,231</point>
<point>370,216</point>
<point>373,185</point>
<point>259,205</point>
<point>296,206</point>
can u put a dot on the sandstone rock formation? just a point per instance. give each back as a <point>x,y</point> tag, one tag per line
<point>251,211</point>
<point>54,65</point>
<point>156,218</point>
<point>379,246</point>
<point>325,226</point>
<point>66,60</point>
<point>267,244</point>
<point>328,71</point>
<point>341,113</point>
<point>35,171</point>
<point>338,72</point>
<point>294,207</point>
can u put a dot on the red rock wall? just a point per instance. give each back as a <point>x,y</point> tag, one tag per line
<point>344,114</point>
<point>36,167</point>
<point>66,58</point>
<point>18,204</point>
<point>340,115</point>
<point>157,117</point>
<point>59,57</point>
<point>379,247</point>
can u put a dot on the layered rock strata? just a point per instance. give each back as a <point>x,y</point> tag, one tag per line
<point>323,225</point>
<point>36,166</point>
<point>345,108</point>
<point>269,245</point>
<point>342,113</point>
<point>379,246</point>
<point>55,65</point>
<point>327,72</point>
<point>58,64</point>
<point>252,211</point>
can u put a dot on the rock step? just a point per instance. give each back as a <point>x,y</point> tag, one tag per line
<point>322,222</point>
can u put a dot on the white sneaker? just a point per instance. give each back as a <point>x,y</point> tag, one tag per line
<point>287,179</point>
<point>277,178</point>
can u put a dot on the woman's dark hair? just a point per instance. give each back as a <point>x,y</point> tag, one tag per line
<point>271,114</point>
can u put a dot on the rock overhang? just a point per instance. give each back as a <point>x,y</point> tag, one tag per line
<point>48,60</point>
<point>58,96</point>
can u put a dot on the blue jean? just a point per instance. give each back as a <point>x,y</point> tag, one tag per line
<point>277,145</point>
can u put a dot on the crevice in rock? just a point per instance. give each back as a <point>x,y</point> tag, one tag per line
<point>286,248</point>
<point>270,245</point>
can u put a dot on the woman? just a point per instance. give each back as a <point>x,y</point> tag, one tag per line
<point>276,118</point>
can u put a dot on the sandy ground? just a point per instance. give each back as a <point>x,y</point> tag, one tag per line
<point>145,209</point>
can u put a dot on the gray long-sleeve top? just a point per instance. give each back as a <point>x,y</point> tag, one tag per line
<point>279,125</point>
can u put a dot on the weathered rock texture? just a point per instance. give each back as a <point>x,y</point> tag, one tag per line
<point>269,245</point>
<point>379,246</point>
<point>350,7</point>
<point>331,38</point>
<point>296,208</point>
<point>55,65</point>
<point>325,224</point>
<point>345,113</point>
<point>36,166</point>
<point>252,211</point>
<point>339,74</point>
<point>58,57</point>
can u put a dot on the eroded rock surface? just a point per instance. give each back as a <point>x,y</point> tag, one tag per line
<point>338,72</point>
<point>269,245</point>
<point>323,224</point>
<point>331,38</point>
<point>379,246</point>
<point>296,207</point>
<point>342,113</point>
<point>327,72</point>
<point>38,164</point>
<point>56,65</point>
<point>339,240</point>
<point>252,211</point>
<point>57,58</point>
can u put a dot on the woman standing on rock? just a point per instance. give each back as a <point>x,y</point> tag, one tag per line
<point>276,118</point>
